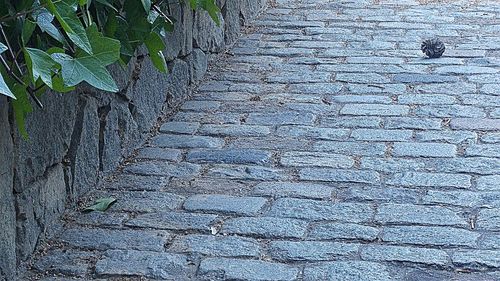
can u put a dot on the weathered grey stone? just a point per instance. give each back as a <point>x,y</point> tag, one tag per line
<point>313,132</point>
<point>310,250</point>
<point>424,150</point>
<point>116,116</point>
<point>151,201</point>
<point>476,165</point>
<point>489,219</point>
<point>58,127</point>
<point>321,210</point>
<point>39,209</point>
<point>330,231</point>
<point>72,263</point>
<point>106,239</point>
<point>381,135</point>
<point>426,99</point>
<point>7,211</point>
<point>374,110</point>
<point>174,221</point>
<point>199,64</point>
<point>203,106</point>
<point>252,270</point>
<point>457,198</point>
<point>83,153</point>
<point>491,241</point>
<point>105,219</point>
<point>247,206</point>
<point>352,148</point>
<point>153,265</point>
<point>338,175</point>
<point>229,156</point>
<point>283,118</point>
<point>137,182</point>
<point>475,124</point>
<point>488,183</point>
<point>412,123</point>
<point>429,179</point>
<point>184,141</point>
<point>404,254</point>
<point>491,138</point>
<point>155,153</point>
<point>446,136</point>
<point>231,12</point>
<point>247,173</point>
<point>202,185</point>
<point>487,150</point>
<point>424,78</point>
<point>316,88</point>
<point>391,164</point>
<point>290,189</point>
<point>223,246</point>
<point>206,34</point>
<point>271,143</point>
<point>188,128</point>
<point>396,195</point>
<point>449,111</point>
<point>364,78</point>
<point>430,235</point>
<point>414,214</point>
<point>267,227</point>
<point>348,271</point>
<point>351,122</point>
<point>318,159</point>
<point>180,170</point>
<point>476,258</point>
<point>234,130</point>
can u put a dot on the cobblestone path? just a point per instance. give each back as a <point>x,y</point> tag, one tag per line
<point>324,147</point>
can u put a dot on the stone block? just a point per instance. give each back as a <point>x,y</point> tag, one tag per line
<point>321,210</point>
<point>251,270</point>
<point>267,227</point>
<point>290,189</point>
<point>247,206</point>
<point>291,251</point>
<point>7,210</point>
<point>174,221</point>
<point>221,246</point>
<point>347,270</point>
<point>39,209</point>
<point>155,265</point>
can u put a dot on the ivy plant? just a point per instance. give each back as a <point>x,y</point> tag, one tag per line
<point>58,44</point>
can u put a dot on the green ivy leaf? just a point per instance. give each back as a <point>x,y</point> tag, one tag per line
<point>40,65</point>
<point>22,107</point>
<point>44,20</point>
<point>209,6</point>
<point>28,28</point>
<point>4,89</point>
<point>91,68</point>
<point>101,205</point>
<point>155,45</point>
<point>58,85</point>
<point>106,3</point>
<point>65,12</point>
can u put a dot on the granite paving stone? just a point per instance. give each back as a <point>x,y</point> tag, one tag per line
<point>323,145</point>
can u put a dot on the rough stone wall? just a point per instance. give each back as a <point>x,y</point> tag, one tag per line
<point>80,137</point>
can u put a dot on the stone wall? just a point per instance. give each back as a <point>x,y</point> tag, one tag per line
<point>80,137</point>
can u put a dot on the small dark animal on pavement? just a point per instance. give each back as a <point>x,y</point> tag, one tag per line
<point>433,48</point>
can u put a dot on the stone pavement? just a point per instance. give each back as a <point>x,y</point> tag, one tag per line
<point>324,147</point>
